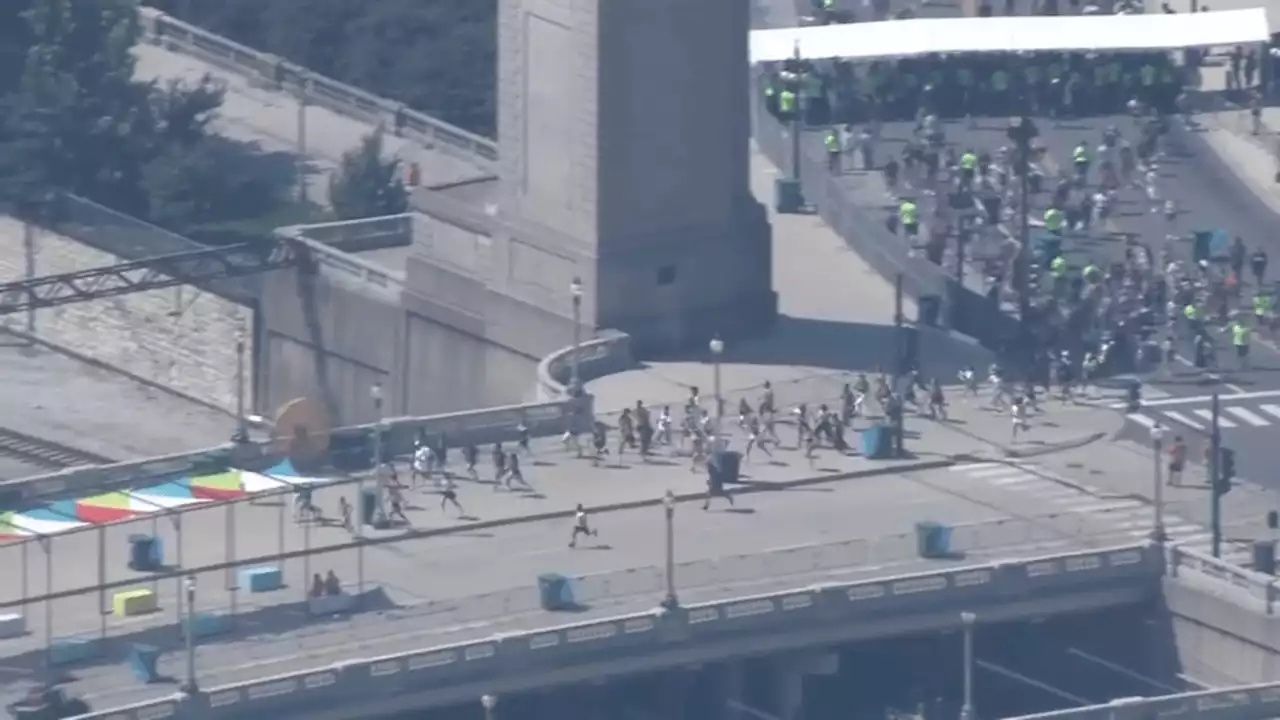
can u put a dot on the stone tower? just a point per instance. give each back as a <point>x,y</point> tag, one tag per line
<point>624,128</point>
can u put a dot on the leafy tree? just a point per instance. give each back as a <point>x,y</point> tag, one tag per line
<point>366,185</point>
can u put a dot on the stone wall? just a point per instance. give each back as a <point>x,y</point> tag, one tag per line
<point>180,339</point>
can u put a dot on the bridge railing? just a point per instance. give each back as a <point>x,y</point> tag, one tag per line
<point>483,427</point>
<point>1256,586</point>
<point>1246,702</point>
<point>549,647</point>
<point>319,90</point>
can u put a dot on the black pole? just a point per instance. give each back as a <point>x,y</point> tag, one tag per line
<point>899,366</point>
<point>1024,222</point>
<point>1215,506</point>
<point>796,112</point>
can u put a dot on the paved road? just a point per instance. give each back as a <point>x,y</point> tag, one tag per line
<point>259,115</point>
<point>472,584</point>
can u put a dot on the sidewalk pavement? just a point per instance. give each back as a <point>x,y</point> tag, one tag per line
<point>255,114</point>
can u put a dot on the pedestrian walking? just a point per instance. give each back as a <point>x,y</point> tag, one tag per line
<point>1177,460</point>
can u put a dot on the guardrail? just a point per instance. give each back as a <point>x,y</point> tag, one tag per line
<point>319,90</point>
<point>1256,585</point>
<point>552,648</point>
<point>482,427</point>
<point>606,354</point>
<point>1246,702</point>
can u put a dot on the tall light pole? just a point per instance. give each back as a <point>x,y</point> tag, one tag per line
<point>1157,495</point>
<point>190,687</point>
<point>488,702</point>
<point>717,348</point>
<point>303,89</point>
<point>575,380</point>
<point>670,602</point>
<point>967,621</point>
<point>242,427</point>
<point>375,392</point>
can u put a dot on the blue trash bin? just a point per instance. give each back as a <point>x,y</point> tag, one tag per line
<point>876,443</point>
<point>142,662</point>
<point>555,592</point>
<point>933,540</point>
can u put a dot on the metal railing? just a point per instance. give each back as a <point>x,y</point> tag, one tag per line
<point>1248,702</point>
<point>449,667</point>
<point>288,77</point>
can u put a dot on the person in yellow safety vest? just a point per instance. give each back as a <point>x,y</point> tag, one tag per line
<point>1058,266</point>
<point>1261,306</point>
<point>1092,273</point>
<point>829,5</point>
<point>1192,315</point>
<point>1053,219</point>
<point>832,143</point>
<point>1080,157</point>
<point>787,103</point>
<point>908,219</point>
<point>1241,334</point>
<point>968,167</point>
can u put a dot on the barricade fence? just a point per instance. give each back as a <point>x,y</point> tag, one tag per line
<point>455,666</point>
<point>320,90</point>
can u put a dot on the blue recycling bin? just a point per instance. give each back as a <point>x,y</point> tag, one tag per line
<point>142,662</point>
<point>146,552</point>
<point>788,196</point>
<point>933,540</point>
<point>877,442</point>
<point>555,592</point>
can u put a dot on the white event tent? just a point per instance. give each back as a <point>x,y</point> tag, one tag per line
<point>922,36</point>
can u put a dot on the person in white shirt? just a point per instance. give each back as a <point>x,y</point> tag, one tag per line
<point>580,526</point>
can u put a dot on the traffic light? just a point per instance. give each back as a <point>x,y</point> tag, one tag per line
<point>1133,397</point>
<point>1226,470</point>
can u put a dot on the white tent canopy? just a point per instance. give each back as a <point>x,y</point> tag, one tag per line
<point>906,38</point>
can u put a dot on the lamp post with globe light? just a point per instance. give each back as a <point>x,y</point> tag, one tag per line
<point>575,379</point>
<point>488,702</point>
<point>1157,494</point>
<point>717,348</point>
<point>967,621</point>
<point>670,601</point>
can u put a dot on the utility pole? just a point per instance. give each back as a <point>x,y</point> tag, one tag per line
<point>796,123</point>
<point>899,335</point>
<point>1215,456</point>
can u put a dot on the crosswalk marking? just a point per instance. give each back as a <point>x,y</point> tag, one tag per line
<point>1121,516</point>
<point>1141,419</point>
<point>1249,417</point>
<point>1179,417</point>
<point>1270,409</point>
<point>1208,416</point>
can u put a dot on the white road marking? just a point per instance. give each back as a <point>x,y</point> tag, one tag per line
<point>1179,417</point>
<point>1202,398</point>
<point>1249,417</point>
<point>1141,419</point>
<point>1270,409</point>
<point>995,471</point>
<point>1208,417</point>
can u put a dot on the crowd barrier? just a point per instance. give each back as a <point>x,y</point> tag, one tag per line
<point>483,427</point>
<point>165,30</point>
<point>488,660</point>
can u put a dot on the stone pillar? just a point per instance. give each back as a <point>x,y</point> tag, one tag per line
<point>733,683</point>
<point>789,674</point>
<point>625,128</point>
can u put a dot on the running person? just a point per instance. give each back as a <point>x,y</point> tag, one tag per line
<point>580,526</point>
<point>449,496</point>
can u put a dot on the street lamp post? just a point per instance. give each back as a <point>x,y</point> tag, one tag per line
<point>1157,495</point>
<point>379,510</point>
<point>242,428</point>
<point>575,380</point>
<point>190,687</point>
<point>488,702</point>
<point>967,621</point>
<point>670,602</point>
<point>717,348</point>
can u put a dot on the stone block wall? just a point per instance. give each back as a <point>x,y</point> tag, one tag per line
<point>179,339</point>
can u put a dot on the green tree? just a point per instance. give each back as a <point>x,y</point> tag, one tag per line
<point>366,184</point>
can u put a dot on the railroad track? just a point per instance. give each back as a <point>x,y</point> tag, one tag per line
<point>45,454</point>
